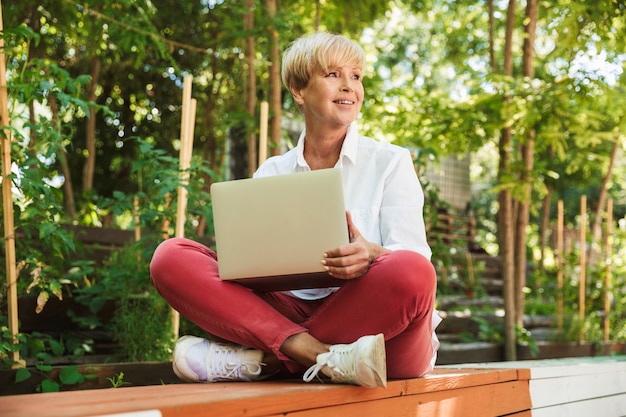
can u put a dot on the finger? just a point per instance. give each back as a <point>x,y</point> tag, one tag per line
<point>347,272</point>
<point>353,232</point>
<point>345,255</point>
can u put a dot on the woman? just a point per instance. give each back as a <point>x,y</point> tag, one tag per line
<point>380,323</point>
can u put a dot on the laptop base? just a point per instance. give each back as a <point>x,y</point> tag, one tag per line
<point>289,282</point>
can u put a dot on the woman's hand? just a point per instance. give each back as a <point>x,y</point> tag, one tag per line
<point>352,260</point>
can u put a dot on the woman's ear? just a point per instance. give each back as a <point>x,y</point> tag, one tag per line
<point>297,96</point>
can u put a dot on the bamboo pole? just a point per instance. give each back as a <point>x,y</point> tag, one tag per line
<point>136,219</point>
<point>7,201</point>
<point>559,263</point>
<point>582,284</point>
<point>186,147</point>
<point>165,227</point>
<point>607,271</point>
<point>184,161</point>
<point>263,132</point>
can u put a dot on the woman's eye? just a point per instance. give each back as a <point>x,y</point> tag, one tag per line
<point>331,74</point>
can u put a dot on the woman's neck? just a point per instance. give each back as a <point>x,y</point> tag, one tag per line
<point>322,151</point>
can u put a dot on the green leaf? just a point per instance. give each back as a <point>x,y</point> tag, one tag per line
<point>46,85</point>
<point>21,375</point>
<point>49,385</point>
<point>56,288</point>
<point>57,348</point>
<point>47,229</point>
<point>44,357</point>
<point>70,375</point>
<point>43,367</point>
<point>145,147</point>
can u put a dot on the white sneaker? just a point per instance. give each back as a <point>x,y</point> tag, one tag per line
<point>360,363</point>
<point>200,360</point>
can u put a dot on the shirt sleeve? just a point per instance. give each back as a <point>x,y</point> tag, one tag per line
<point>401,215</point>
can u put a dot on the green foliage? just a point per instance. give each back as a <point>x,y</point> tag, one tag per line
<point>140,320</point>
<point>44,348</point>
<point>118,380</point>
<point>488,332</point>
<point>544,293</point>
<point>8,344</point>
<point>46,265</point>
<point>525,338</point>
<point>39,207</point>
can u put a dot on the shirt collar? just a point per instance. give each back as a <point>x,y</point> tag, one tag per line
<point>350,144</point>
<point>348,149</point>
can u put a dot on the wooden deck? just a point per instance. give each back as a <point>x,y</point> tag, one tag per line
<point>516,389</point>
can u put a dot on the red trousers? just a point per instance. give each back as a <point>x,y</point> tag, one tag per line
<point>395,297</point>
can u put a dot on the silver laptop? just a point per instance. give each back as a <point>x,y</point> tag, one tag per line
<point>271,232</point>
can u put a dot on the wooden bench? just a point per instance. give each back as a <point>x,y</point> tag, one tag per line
<point>556,387</point>
<point>445,392</point>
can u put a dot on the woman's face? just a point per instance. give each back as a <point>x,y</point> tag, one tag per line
<point>333,97</point>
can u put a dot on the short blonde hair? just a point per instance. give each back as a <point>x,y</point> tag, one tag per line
<point>318,52</point>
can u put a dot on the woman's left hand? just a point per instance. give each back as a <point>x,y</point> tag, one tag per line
<point>352,260</point>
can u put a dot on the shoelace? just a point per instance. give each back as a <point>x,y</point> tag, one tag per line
<point>226,363</point>
<point>340,361</point>
<point>313,371</point>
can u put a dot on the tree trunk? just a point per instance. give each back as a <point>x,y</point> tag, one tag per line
<point>492,55</point>
<point>507,255</point>
<point>68,189</point>
<point>522,219</point>
<point>545,225</point>
<point>505,212</point>
<point>90,134</point>
<point>209,149</point>
<point>275,100</point>
<point>318,17</point>
<point>528,156</point>
<point>251,85</point>
<point>596,227</point>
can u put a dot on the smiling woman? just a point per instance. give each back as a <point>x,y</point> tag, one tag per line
<point>380,322</point>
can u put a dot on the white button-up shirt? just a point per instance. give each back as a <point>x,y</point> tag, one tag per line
<point>381,192</point>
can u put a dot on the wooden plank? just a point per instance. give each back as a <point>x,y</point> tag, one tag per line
<point>612,406</point>
<point>560,390</point>
<point>101,235</point>
<point>576,366</point>
<point>146,413</point>
<point>264,398</point>
<point>481,401</point>
<point>551,368</point>
<point>454,377</point>
<point>564,387</point>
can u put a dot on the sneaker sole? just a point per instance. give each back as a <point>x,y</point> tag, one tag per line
<point>179,364</point>
<point>374,374</point>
